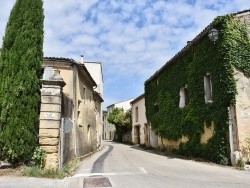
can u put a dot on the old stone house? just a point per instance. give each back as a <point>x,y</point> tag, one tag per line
<point>199,101</point>
<point>68,91</point>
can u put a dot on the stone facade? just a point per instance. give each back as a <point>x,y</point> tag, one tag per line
<point>140,129</point>
<point>78,101</point>
<point>50,119</point>
<point>242,114</point>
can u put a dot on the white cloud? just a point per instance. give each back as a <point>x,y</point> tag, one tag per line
<point>131,38</point>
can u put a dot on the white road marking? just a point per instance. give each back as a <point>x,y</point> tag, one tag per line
<point>142,171</point>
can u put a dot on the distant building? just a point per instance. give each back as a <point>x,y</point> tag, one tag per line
<point>142,133</point>
<point>109,129</point>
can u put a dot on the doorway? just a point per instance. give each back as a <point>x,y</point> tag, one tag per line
<point>137,134</point>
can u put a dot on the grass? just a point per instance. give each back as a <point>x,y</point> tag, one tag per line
<point>53,173</point>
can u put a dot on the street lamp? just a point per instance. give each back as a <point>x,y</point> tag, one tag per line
<point>213,35</point>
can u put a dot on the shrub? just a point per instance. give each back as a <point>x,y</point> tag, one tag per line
<point>39,157</point>
<point>240,163</point>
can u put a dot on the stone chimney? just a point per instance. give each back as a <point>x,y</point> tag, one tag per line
<point>81,59</point>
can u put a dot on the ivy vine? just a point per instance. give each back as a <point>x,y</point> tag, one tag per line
<point>171,122</point>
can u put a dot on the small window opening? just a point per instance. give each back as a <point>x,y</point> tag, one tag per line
<point>136,114</point>
<point>84,94</point>
<point>208,88</point>
<point>184,98</point>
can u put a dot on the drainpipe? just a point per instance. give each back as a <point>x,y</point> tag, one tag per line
<point>231,137</point>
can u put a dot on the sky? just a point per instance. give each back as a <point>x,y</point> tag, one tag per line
<point>131,38</point>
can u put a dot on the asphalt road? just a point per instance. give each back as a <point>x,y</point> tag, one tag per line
<point>124,166</point>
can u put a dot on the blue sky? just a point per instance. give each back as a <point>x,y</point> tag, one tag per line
<point>132,38</point>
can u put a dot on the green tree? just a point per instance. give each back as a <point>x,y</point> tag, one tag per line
<point>20,67</point>
<point>122,121</point>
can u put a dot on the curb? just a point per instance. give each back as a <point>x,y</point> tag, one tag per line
<point>84,157</point>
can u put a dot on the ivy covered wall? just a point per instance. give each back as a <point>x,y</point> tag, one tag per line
<point>188,70</point>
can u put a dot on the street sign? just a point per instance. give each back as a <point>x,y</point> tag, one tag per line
<point>68,124</point>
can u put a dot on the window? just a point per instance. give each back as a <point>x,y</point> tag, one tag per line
<point>184,99</point>
<point>208,88</point>
<point>84,94</point>
<point>136,114</point>
<point>48,71</point>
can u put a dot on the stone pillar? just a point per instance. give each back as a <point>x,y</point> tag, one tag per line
<point>50,118</point>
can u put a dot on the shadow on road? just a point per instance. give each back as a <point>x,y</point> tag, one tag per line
<point>98,165</point>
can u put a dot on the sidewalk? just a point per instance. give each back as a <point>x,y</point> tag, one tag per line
<point>68,182</point>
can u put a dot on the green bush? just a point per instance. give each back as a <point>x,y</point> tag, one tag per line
<point>240,163</point>
<point>36,171</point>
<point>39,157</point>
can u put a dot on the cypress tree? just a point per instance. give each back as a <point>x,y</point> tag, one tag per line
<point>20,71</point>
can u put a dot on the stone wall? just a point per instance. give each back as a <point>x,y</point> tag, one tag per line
<point>127,137</point>
<point>50,119</point>
<point>242,109</point>
<point>50,116</point>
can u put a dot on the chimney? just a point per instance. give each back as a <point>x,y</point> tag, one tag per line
<point>82,59</point>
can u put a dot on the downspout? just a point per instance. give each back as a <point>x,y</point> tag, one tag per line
<point>231,141</point>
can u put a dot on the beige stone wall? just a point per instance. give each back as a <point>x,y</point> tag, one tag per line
<point>127,137</point>
<point>85,117</point>
<point>208,132</point>
<point>141,123</point>
<point>169,143</point>
<point>242,108</point>
<point>50,116</point>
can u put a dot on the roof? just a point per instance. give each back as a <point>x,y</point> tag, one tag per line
<point>72,61</point>
<point>189,46</point>
<point>119,102</point>
<point>99,96</point>
<point>138,98</point>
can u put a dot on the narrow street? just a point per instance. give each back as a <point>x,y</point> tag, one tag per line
<point>124,166</point>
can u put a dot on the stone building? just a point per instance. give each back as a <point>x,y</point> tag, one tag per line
<point>142,133</point>
<point>199,101</point>
<point>95,70</point>
<point>76,100</point>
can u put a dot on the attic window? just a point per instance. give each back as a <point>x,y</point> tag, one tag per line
<point>184,98</point>
<point>208,88</point>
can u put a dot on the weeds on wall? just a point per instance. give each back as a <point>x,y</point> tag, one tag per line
<point>162,91</point>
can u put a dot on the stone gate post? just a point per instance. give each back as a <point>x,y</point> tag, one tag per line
<point>50,118</point>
